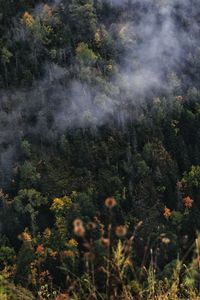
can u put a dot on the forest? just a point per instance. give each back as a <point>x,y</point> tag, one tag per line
<point>99,149</point>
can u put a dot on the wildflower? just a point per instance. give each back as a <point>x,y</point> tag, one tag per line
<point>58,202</point>
<point>77,222</point>
<point>179,98</point>
<point>188,201</point>
<point>163,235</point>
<point>25,236</point>
<point>105,242</point>
<point>68,253</point>
<point>40,249</point>
<point>167,212</point>
<point>52,253</point>
<point>110,202</point>
<point>72,243</point>
<point>79,231</point>
<point>45,273</point>
<point>165,240</point>
<point>61,203</point>
<point>121,231</point>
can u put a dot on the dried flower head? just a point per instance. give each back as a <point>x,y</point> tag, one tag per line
<point>188,201</point>
<point>45,273</point>
<point>79,231</point>
<point>167,212</point>
<point>62,297</point>
<point>91,225</point>
<point>105,242</point>
<point>179,98</point>
<point>77,222</point>
<point>121,231</point>
<point>110,202</point>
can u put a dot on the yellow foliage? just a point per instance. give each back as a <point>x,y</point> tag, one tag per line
<point>121,259</point>
<point>27,19</point>
<point>61,203</point>
<point>58,202</point>
<point>109,68</point>
<point>97,38</point>
<point>47,233</point>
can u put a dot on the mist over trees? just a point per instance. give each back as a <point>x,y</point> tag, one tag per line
<point>99,99</point>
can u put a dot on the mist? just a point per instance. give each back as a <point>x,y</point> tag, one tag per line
<point>156,50</point>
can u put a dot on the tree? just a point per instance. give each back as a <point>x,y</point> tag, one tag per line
<point>85,55</point>
<point>28,202</point>
<point>28,175</point>
<point>83,20</point>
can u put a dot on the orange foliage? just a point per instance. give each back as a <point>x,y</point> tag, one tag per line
<point>27,19</point>
<point>188,201</point>
<point>167,212</point>
<point>40,249</point>
<point>47,10</point>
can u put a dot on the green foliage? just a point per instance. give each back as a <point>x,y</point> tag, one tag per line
<point>85,55</point>
<point>26,148</point>
<point>83,19</point>
<point>7,256</point>
<point>29,175</point>
<point>5,55</point>
<point>74,132</point>
<point>28,199</point>
<point>8,291</point>
<point>192,178</point>
<point>24,258</point>
<point>28,202</point>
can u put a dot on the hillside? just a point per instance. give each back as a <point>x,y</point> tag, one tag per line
<point>99,149</point>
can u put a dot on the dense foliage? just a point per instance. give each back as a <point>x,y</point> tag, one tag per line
<point>100,175</point>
